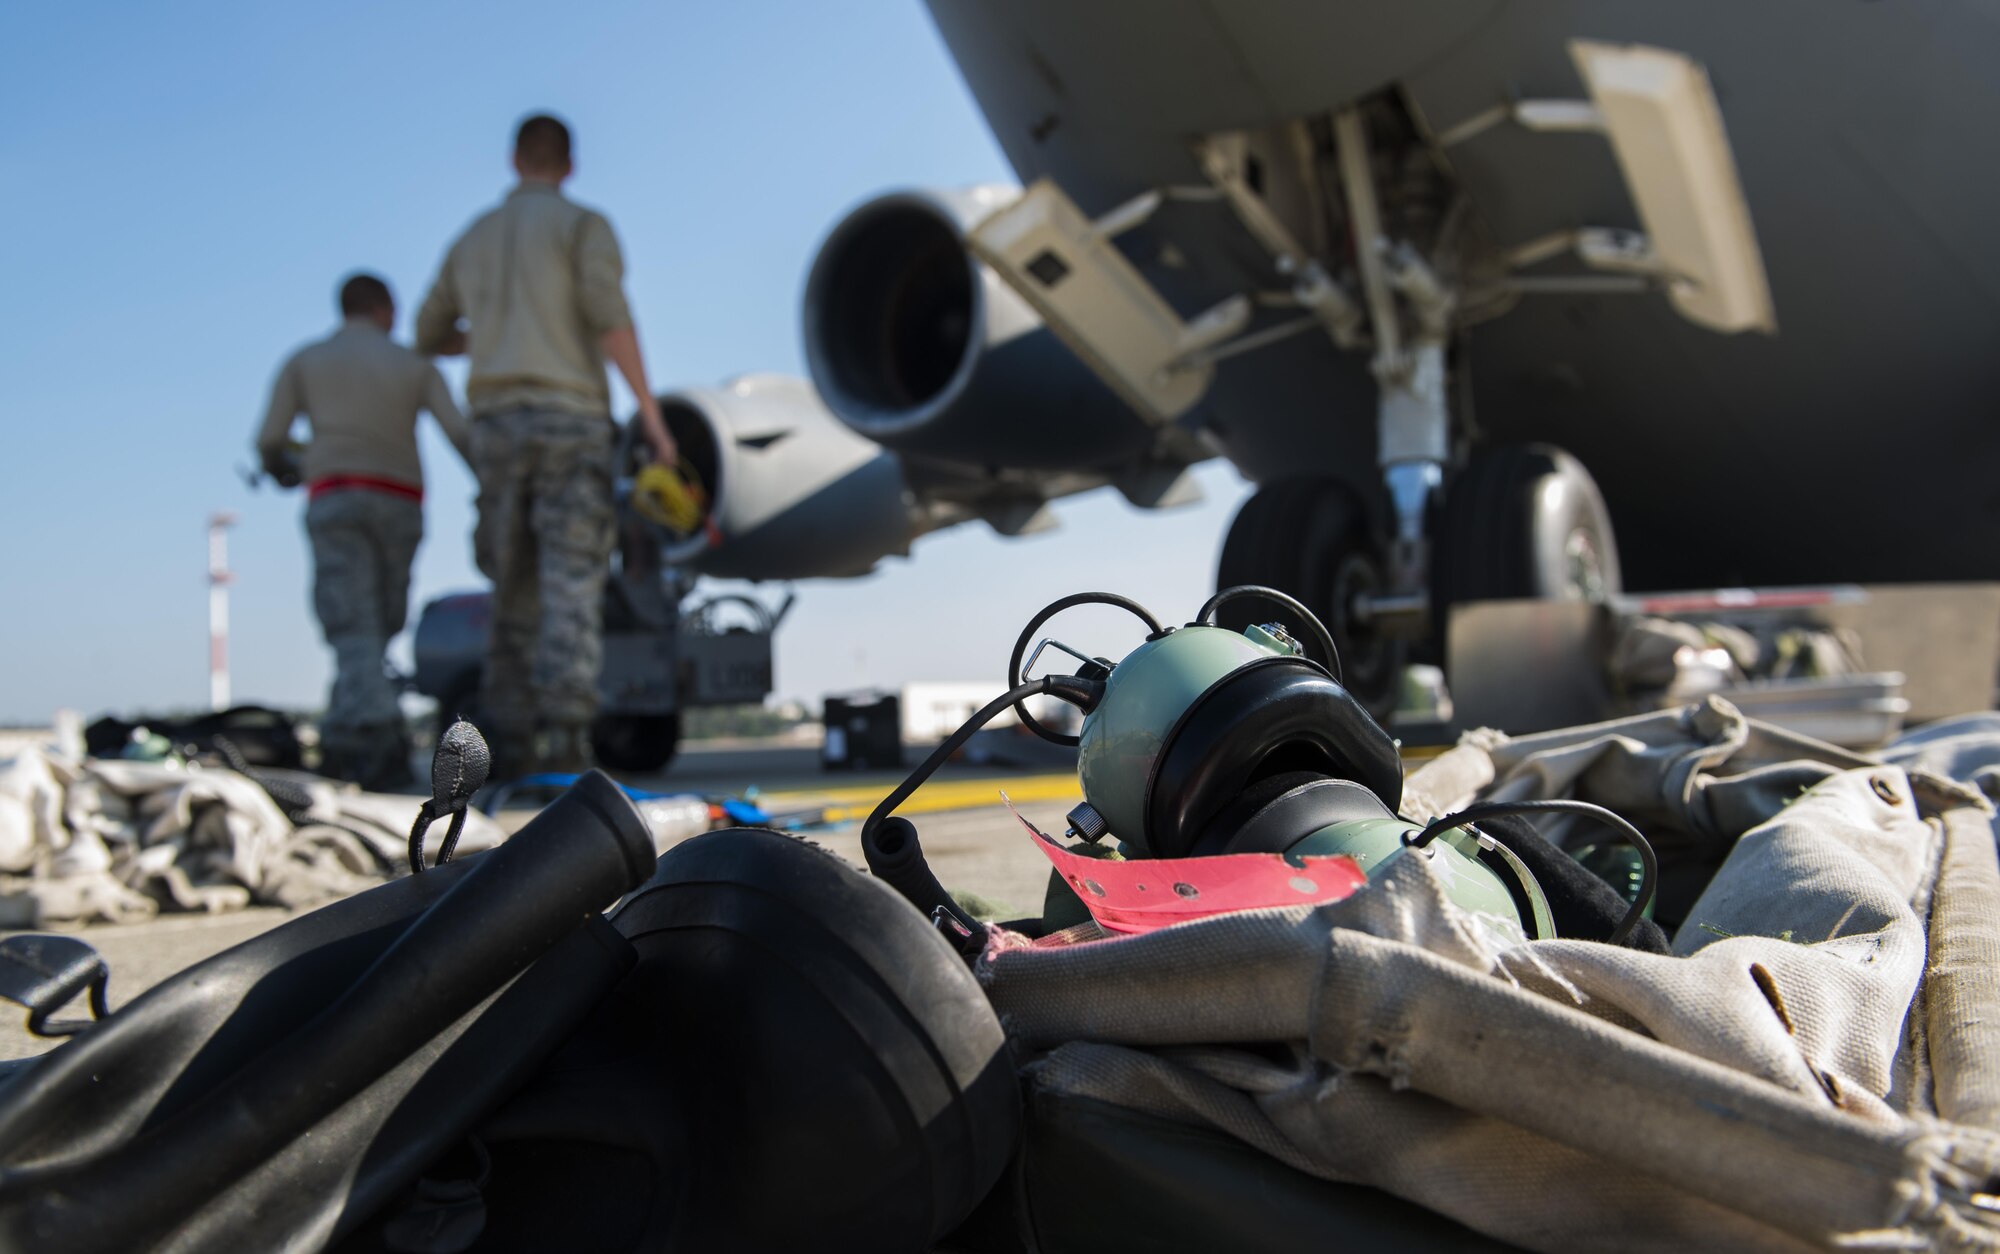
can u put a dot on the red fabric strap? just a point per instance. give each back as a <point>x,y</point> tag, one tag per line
<point>335,483</point>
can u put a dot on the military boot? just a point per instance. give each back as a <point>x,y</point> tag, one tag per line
<point>377,757</point>
<point>566,748</point>
<point>514,754</point>
<point>337,759</point>
<point>388,769</point>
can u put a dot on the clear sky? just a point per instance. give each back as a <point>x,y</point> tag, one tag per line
<point>185,184</point>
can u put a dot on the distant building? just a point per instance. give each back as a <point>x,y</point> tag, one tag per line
<point>932,711</point>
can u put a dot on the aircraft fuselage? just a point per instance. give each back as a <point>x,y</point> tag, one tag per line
<point>1856,443</point>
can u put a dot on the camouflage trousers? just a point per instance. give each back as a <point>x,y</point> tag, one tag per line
<point>363,542</point>
<point>544,538</point>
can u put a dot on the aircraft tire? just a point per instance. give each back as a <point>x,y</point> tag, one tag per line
<point>1524,521</point>
<point>1311,538</point>
<point>636,744</point>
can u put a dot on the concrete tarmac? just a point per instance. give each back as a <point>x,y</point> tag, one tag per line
<point>972,842</point>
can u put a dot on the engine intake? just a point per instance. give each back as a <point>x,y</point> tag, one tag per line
<point>792,493</point>
<point>916,344</point>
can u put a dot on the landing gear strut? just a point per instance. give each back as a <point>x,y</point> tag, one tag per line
<point>1504,522</point>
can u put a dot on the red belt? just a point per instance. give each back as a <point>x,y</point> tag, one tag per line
<point>336,483</point>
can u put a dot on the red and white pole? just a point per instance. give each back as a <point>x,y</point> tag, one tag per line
<point>218,609</point>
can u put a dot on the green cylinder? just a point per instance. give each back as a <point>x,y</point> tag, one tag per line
<point>1470,883</point>
<point>1145,696</point>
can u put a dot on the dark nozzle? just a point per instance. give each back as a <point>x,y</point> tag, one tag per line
<point>895,855</point>
<point>892,839</point>
<point>1080,691</point>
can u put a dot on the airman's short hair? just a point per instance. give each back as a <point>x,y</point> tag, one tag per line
<point>364,294</point>
<point>542,142</point>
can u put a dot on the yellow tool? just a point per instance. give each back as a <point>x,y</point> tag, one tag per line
<point>671,496</point>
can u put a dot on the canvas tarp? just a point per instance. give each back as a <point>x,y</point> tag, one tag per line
<point>109,840</point>
<point>1816,1064</point>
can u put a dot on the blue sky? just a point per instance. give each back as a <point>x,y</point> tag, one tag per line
<point>185,184</point>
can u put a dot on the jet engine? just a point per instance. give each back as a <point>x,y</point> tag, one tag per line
<point>792,493</point>
<point>916,344</point>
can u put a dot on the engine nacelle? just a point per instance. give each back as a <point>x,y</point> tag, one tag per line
<point>916,344</point>
<point>792,493</point>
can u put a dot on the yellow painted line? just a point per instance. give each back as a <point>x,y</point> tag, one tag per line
<point>843,804</point>
<point>947,794</point>
<point>871,793</point>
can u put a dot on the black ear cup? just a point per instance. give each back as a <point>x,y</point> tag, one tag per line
<point>840,1081</point>
<point>1283,716</point>
<point>1220,834</point>
<point>1278,812</point>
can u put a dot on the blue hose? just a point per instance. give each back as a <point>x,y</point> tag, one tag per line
<point>741,813</point>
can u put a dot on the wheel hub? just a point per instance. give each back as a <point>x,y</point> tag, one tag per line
<point>1583,567</point>
<point>1363,649</point>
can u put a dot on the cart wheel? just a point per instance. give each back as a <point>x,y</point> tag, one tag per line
<point>638,744</point>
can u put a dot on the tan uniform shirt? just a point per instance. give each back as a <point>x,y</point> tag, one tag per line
<point>361,391</point>
<point>540,280</point>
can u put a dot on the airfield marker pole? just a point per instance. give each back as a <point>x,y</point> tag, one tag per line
<point>218,609</point>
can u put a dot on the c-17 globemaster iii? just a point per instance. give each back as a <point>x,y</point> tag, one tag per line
<point>1459,285</point>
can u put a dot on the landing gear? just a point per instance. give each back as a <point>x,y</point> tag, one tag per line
<point>1310,537</point>
<point>1524,521</point>
<point>1518,522</point>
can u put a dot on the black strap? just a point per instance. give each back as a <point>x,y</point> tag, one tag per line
<point>45,973</point>
<point>458,770</point>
